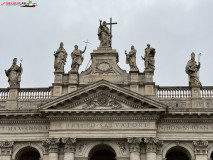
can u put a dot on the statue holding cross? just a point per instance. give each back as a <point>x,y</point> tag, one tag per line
<point>104,34</point>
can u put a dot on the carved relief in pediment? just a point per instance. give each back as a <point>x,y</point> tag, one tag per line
<point>103,68</point>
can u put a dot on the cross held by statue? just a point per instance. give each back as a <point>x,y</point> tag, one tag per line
<point>111,23</point>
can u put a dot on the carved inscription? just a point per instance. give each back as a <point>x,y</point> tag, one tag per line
<point>23,128</point>
<point>185,127</point>
<point>103,125</point>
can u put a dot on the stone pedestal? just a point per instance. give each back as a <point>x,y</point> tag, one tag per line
<point>200,148</point>
<point>148,76</point>
<point>57,86</point>
<point>134,148</point>
<point>195,90</point>
<point>149,89</point>
<point>69,148</point>
<point>73,81</point>
<point>12,102</point>
<point>6,150</point>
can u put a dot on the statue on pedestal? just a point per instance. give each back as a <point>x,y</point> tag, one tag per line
<point>77,58</point>
<point>131,59</point>
<point>60,58</point>
<point>14,74</point>
<point>148,58</point>
<point>192,70</point>
<point>104,35</point>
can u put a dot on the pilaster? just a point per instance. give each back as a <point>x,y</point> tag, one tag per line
<point>6,150</point>
<point>134,147</point>
<point>69,148</point>
<point>52,146</point>
<point>151,147</point>
<point>200,148</point>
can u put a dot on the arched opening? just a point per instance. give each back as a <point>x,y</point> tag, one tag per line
<point>102,152</point>
<point>177,153</point>
<point>28,153</point>
<point>211,156</point>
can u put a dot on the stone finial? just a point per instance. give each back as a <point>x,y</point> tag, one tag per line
<point>149,59</point>
<point>60,58</point>
<point>151,144</point>
<point>14,74</point>
<point>131,59</point>
<point>69,144</point>
<point>192,69</point>
<point>200,147</point>
<point>6,147</point>
<point>134,144</point>
<point>51,145</point>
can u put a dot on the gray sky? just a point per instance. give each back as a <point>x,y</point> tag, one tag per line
<point>175,28</point>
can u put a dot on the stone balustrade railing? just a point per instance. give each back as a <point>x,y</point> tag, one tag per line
<point>34,93</point>
<point>174,92</point>
<point>4,93</point>
<point>206,92</point>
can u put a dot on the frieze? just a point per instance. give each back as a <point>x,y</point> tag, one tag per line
<point>185,127</point>
<point>23,128</point>
<point>103,125</point>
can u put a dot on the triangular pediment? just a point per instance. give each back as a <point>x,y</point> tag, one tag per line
<point>103,95</point>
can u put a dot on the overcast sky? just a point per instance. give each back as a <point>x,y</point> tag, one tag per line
<point>175,28</point>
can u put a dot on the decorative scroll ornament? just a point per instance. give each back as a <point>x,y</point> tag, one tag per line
<point>134,144</point>
<point>6,147</point>
<point>200,147</point>
<point>51,145</point>
<point>151,144</point>
<point>102,101</point>
<point>103,68</point>
<point>69,146</point>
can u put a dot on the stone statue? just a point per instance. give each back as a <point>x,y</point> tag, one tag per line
<point>104,35</point>
<point>60,58</point>
<point>77,58</point>
<point>148,58</point>
<point>131,59</point>
<point>14,74</point>
<point>192,70</point>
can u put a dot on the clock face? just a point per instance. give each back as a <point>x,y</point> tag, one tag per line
<point>104,66</point>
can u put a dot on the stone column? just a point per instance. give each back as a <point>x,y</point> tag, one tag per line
<point>200,148</point>
<point>52,145</point>
<point>134,148</point>
<point>143,152</point>
<point>151,147</point>
<point>69,148</point>
<point>6,150</point>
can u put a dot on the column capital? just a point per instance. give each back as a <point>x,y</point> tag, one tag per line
<point>200,147</point>
<point>69,144</point>
<point>134,144</point>
<point>151,144</point>
<point>51,145</point>
<point>6,147</point>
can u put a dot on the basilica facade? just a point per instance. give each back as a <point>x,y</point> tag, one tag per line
<point>106,113</point>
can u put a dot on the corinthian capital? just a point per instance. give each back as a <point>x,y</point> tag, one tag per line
<point>151,144</point>
<point>69,144</point>
<point>200,147</point>
<point>134,144</point>
<point>6,147</point>
<point>51,145</point>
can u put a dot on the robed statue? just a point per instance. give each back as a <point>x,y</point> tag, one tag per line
<point>104,35</point>
<point>192,69</point>
<point>14,74</point>
<point>149,61</point>
<point>77,58</point>
<point>60,58</point>
<point>131,59</point>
